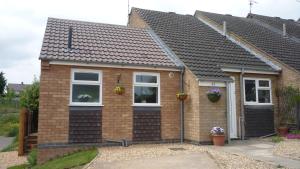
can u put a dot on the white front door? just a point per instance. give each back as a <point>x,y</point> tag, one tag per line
<point>232,109</point>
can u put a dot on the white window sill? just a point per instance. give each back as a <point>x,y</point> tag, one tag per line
<point>259,104</point>
<point>87,105</point>
<point>146,105</point>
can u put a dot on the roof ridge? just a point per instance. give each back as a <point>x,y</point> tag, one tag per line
<point>151,10</point>
<point>90,22</point>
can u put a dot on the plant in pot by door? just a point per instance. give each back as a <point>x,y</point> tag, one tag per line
<point>214,94</point>
<point>218,136</point>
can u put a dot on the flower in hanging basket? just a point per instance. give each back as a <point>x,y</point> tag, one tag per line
<point>119,90</point>
<point>214,94</point>
<point>181,96</point>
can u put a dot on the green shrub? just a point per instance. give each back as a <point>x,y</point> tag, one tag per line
<point>14,130</point>
<point>277,139</point>
<point>295,132</point>
<point>32,157</point>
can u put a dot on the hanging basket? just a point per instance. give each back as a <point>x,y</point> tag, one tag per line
<point>181,96</point>
<point>119,90</point>
<point>213,97</point>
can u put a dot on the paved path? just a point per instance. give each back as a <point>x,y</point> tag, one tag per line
<point>5,141</point>
<point>261,151</point>
<point>180,161</point>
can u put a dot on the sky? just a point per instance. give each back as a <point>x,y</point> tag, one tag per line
<point>22,23</point>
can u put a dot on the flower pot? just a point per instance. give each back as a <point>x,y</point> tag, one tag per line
<point>213,97</point>
<point>218,140</point>
<point>119,90</point>
<point>181,96</point>
<point>283,131</point>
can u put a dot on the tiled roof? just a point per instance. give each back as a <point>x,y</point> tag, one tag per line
<point>203,50</point>
<point>282,48</point>
<point>102,43</point>
<point>17,87</point>
<point>292,27</point>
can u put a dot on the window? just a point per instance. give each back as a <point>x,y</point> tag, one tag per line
<point>257,91</point>
<point>146,89</point>
<point>86,87</point>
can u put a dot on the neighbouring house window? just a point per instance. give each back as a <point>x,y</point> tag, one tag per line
<point>257,91</point>
<point>146,90</point>
<point>86,87</point>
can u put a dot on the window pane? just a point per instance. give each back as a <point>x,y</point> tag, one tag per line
<point>146,79</point>
<point>263,83</point>
<point>85,93</point>
<point>86,76</point>
<point>250,90</point>
<point>264,96</point>
<point>145,94</point>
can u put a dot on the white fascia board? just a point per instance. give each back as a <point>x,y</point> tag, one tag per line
<point>260,57</point>
<point>111,66</point>
<point>249,71</point>
<point>212,84</point>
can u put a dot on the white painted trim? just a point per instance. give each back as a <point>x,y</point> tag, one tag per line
<point>212,84</point>
<point>244,46</point>
<point>249,71</point>
<point>84,82</point>
<point>256,90</point>
<point>157,84</point>
<point>111,66</point>
<point>232,108</point>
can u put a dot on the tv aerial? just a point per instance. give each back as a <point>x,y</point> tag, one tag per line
<point>251,3</point>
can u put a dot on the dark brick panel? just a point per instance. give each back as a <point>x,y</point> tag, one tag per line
<point>259,121</point>
<point>85,125</point>
<point>146,124</point>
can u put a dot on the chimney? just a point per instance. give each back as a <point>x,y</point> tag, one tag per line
<point>224,28</point>
<point>70,38</point>
<point>22,83</point>
<point>284,30</point>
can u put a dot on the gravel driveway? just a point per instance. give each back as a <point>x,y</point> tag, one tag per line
<point>182,156</point>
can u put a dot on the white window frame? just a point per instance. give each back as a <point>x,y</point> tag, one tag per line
<point>256,90</point>
<point>157,84</point>
<point>86,82</point>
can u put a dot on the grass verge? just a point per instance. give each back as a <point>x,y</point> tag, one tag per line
<point>9,124</point>
<point>66,162</point>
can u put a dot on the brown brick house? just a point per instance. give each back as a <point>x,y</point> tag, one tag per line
<point>157,55</point>
<point>82,63</point>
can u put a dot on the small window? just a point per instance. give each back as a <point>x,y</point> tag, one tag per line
<point>146,89</point>
<point>257,91</point>
<point>86,87</point>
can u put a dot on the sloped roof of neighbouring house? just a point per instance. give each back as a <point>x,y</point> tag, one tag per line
<point>292,27</point>
<point>17,87</point>
<point>283,48</point>
<point>203,50</point>
<point>102,43</point>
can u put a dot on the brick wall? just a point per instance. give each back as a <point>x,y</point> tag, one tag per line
<point>117,113</point>
<point>191,107</point>
<point>136,21</point>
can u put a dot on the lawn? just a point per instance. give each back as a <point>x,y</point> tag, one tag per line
<point>70,161</point>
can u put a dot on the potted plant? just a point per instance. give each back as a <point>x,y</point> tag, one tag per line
<point>218,136</point>
<point>119,89</point>
<point>181,96</point>
<point>214,94</point>
<point>84,97</point>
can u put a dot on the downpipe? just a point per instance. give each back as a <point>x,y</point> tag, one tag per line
<point>182,106</point>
